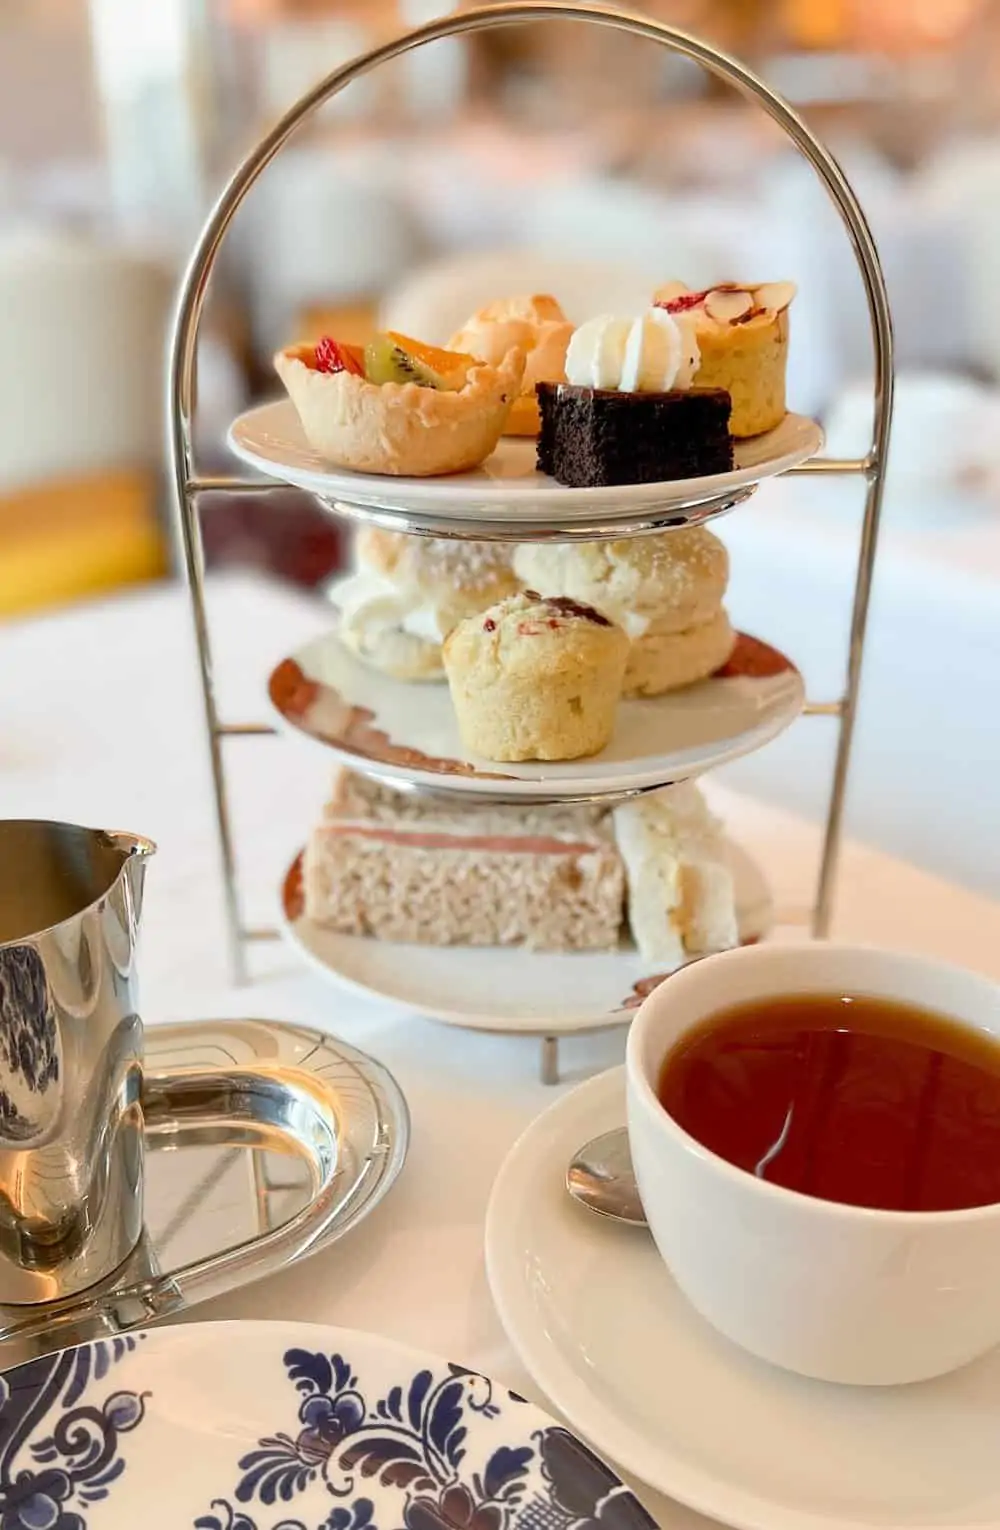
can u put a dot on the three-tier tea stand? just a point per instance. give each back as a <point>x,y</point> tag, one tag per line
<point>190,484</point>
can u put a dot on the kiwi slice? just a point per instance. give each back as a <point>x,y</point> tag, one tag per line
<point>386,362</point>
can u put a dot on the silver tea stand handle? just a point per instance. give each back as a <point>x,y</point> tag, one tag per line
<point>181,402</point>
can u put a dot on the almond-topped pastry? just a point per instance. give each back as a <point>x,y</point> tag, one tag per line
<point>536,679</point>
<point>536,325</point>
<point>399,407</point>
<point>742,335</point>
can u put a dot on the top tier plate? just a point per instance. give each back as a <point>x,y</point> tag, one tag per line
<point>507,499</point>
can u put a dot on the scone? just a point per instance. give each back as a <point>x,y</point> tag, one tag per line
<point>407,593</point>
<point>667,661</point>
<point>742,335</point>
<point>665,591</point>
<point>535,325</point>
<point>536,679</point>
<point>628,411</point>
<point>399,408</point>
<point>664,583</point>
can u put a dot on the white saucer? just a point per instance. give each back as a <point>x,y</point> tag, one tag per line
<point>508,488</point>
<point>593,1314</point>
<point>406,732</point>
<point>501,988</point>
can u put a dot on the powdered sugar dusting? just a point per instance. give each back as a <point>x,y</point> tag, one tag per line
<point>463,565</point>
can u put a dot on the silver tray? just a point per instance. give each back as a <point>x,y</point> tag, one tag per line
<point>265,1143</point>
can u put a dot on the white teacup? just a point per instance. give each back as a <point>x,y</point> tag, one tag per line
<point>842,1293</point>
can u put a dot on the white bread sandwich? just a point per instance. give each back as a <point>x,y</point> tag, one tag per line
<point>427,871</point>
<point>407,593</point>
<point>681,895</point>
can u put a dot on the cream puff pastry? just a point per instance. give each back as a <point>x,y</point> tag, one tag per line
<point>537,326</point>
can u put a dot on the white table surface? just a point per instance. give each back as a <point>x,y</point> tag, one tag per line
<point>925,778</point>
<point>101,725</point>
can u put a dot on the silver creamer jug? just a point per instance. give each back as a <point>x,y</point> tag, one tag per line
<point>71,1129</point>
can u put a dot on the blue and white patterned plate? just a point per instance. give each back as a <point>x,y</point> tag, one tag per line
<point>274,1426</point>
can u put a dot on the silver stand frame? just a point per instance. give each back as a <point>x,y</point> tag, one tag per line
<point>181,402</point>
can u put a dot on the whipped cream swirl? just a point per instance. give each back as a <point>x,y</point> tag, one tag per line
<point>367,602</point>
<point>654,353</point>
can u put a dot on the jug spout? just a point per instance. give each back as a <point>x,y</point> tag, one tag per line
<point>135,850</point>
<point>51,873</point>
<point>131,844</point>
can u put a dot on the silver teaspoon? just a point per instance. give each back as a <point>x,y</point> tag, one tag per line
<point>600,1177</point>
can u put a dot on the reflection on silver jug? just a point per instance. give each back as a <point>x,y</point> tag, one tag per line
<point>71,1129</point>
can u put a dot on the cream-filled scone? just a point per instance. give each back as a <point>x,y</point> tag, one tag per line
<point>537,326</point>
<point>665,591</point>
<point>662,583</point>
<point>667,661</point>
<point>681,893</point>
<point>399,408</point>
<point>536,679</point>
<point>742,335</point>
<point>407,593</point>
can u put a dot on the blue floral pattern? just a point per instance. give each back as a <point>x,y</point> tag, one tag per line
<point>58,1454</point>
<point>442,1452</point>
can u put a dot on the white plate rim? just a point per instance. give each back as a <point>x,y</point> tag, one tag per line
<point>539,1148</point>
<point>448,497</point>
<point>494,1024</point>
<point>216,1338</point>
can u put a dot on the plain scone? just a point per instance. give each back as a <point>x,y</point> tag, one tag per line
<point>665,591</point>
<point>667,661</point>
<point>424,872</point>
<point>536,679</point>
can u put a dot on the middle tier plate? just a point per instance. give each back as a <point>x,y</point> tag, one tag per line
<point>405,733</point>
<point>507,499</point>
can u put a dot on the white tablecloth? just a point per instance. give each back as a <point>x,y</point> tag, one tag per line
<point>101,725</point>
<point>925,777</point>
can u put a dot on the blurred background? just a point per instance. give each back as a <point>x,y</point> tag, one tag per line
<point>549,157</point>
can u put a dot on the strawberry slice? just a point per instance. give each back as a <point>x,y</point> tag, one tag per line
<point>685,301</point>
<point>332,356</point>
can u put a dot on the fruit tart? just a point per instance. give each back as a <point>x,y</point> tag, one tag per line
<point>399,407</point>
<point>742,334</point>
<point>537,326</point>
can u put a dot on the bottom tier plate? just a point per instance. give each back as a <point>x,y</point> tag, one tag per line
<point>265,1142</point>
<point>503,988</point>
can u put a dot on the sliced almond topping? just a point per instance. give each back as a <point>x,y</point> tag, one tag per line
<point>775,295</point>
<point>757,316</point>
<point>725,306</point>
